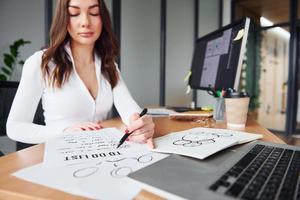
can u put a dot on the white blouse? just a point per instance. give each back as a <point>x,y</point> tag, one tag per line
<point>65,106</point>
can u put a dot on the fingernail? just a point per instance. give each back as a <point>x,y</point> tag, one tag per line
<point>126,131</point>
<point>127,139</point>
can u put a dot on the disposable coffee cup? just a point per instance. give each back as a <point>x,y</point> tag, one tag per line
<point>236,106</point>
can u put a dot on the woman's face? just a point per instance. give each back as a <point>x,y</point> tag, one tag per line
<point>85,24</point>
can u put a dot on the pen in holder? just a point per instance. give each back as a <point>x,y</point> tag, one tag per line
<point>219,109</point>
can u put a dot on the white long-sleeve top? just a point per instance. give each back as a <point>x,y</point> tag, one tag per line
<point>64,106</point>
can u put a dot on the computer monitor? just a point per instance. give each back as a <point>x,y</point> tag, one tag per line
<point>218,57</point>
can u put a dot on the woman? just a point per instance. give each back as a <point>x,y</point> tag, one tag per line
<point>76,78</point>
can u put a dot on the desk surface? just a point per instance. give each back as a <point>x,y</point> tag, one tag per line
<point>14,188</point>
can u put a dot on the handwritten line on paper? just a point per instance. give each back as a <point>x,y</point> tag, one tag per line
<point>120,167</point>
<point>194,139</point>
<point>84,146</point>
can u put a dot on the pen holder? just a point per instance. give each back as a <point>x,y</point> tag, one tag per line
<point>219,109</point>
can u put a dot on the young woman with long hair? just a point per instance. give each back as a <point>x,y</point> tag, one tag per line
<point>76,78</point>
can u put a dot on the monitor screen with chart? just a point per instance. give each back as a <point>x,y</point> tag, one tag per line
<point>218,57</point>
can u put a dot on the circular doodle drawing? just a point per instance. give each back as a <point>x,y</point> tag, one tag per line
<point>197,139</point>
<point>85,172</point>
<point>145,158</point>
<point>120,172</point>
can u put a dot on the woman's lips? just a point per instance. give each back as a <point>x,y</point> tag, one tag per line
<point>86,34</point>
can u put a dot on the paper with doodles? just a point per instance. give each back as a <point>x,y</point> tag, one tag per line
<point>201,142</point>
<point>99,174</point>
<point>85,146</point>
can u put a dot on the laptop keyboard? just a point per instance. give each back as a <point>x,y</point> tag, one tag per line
<point>265,172</point>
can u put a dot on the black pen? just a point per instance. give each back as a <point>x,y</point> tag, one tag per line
<point>126,135</point>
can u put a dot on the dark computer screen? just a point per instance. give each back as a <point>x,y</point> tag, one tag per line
<point>217,59</point>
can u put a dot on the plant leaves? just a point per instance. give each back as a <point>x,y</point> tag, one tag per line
<point>16,45</point>
<point>6,71</point>
<point>9,60</point>
<point>20,42</point>
<point>3,77</point>
<point>13,51</point>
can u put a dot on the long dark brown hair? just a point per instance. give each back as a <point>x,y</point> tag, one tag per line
<point>106,47</point>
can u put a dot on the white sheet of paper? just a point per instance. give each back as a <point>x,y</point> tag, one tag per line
<point>83,146</point>
<point>105,179</point>
<point>201,142</point>
<point>158,112</point>
<point>100,173</point>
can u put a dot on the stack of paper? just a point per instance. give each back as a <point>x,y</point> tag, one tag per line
<point>160,112</point>
<point>201,142</point>
<point>88,164</point>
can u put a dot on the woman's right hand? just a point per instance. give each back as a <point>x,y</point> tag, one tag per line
<point>83,126</point>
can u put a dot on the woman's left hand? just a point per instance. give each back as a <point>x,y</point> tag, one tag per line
<point>142,128</point>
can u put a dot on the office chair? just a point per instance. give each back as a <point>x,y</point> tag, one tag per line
<point>8,90</point>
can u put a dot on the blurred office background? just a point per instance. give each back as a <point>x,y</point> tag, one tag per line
<point>157,39</point>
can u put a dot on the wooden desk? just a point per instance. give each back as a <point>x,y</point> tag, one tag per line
<point>14,188</point>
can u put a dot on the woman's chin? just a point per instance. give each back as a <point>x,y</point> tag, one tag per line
<point>85,41</point>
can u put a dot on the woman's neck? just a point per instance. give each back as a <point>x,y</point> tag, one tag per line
<point>82,54</point>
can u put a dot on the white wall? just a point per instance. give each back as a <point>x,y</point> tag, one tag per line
<point>140,47</point>
<point>179,50</point>
<point>208,22</point>
<point>140,44</point>
<point>21,19</point>
<point>226,12</point>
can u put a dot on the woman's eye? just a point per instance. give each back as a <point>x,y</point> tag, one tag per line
<point>94,14</point>
<point>73,14</point>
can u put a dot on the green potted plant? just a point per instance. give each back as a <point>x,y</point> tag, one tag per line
<point>12,59</point>
<point>8,88</point>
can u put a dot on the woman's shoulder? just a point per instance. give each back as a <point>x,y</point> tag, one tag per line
<point>33,62</point>
<point>36,56</point>
<point>36,59</point>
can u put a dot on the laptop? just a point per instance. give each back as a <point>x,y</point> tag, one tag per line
<point>257,170</point>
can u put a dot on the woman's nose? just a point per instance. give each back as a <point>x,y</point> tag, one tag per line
<point>85,22</point>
